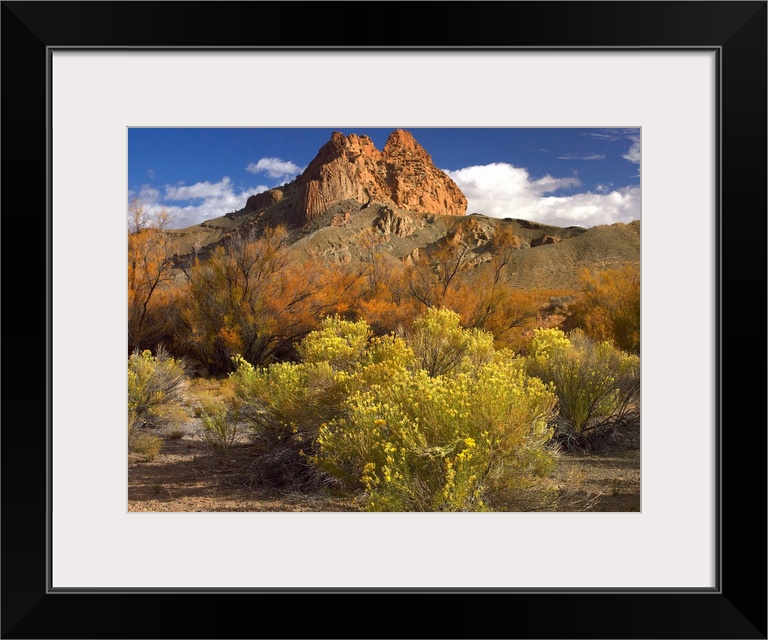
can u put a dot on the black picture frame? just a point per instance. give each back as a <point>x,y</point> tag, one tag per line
<point>736,608</point>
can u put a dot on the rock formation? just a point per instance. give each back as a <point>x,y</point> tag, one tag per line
<point>545,239</point>
<point>389,223</point>
<point>351,167</point>
<point>262,200</point>
<point>340,220</point>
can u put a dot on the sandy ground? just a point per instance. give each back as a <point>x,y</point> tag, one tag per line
<point>185,477</point>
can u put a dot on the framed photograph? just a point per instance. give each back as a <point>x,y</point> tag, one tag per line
<point>686,80</point>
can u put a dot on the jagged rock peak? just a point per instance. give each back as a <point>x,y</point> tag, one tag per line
<point>349,147</point>
<point>352,168</point>
<point>400,139</point>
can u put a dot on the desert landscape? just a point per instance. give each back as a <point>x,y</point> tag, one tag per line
<point>356,339</point>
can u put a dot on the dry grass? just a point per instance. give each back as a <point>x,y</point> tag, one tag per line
<point>148,447</point>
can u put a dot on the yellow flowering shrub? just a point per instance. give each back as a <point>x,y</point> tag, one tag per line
<point>285,404</point>
<point>441,345</point>
<point>219,428</point>
<point>546,342</point>
<point>383,358</point>
<point>389,350</point>
<point>426,443</point>
<point>282,407</point>
<point>284,399</point>
<point>338,342</point>
<point>597,385</point>
<point>154,385</point>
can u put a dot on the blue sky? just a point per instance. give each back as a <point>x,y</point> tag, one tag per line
<point>556,176</point>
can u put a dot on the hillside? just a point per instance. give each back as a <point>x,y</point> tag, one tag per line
<point>339,239</point>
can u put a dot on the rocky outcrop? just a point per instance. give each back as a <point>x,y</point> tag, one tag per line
<point>413,256</point>
<point>390,223</point>
<point>470,233</point>
<point>415,183</point>
<point>335,253</point>
<point>545,239</point>
<point>351,167</point>
<point>263,200</point>
<point>340,220</point>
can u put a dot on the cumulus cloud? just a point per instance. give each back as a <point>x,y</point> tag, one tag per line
<point>199,190</point>
<point>502,190</point>
<point>274,168</point>
<point>192,204</point>
<point>147,193</point>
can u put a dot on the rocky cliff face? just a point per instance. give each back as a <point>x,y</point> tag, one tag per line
<point>414,182</point>
<point>351,167</point>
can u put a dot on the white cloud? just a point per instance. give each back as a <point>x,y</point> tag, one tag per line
<point>503,191</point>
<point>146,194</point>
<point>199,190</point>
<point>208,200</point>
<point>612,135</point>
<point>633,155</point>
<point>575,156</point>
<point>608,135</point>
<point>275,168</point>
<point>151,174</point>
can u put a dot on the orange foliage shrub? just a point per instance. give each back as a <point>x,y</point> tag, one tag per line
<point>383,297</point>
<point>256,297</point>
<point>609,307</point>
<point>151,290</point>
<point>247,299</point>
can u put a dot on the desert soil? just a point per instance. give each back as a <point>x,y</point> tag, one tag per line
<point>184,477</point>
